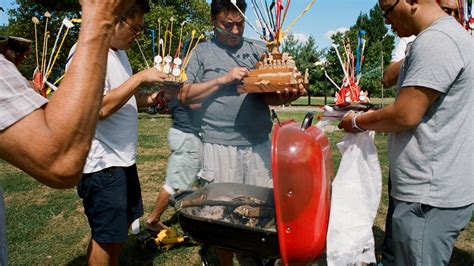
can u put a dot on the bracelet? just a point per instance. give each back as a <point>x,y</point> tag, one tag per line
<point>354,124</point>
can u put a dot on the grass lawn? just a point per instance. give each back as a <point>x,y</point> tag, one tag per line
<point>48,227</point>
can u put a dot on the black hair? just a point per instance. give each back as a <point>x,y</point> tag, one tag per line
<point>140,7</point>
<point>218,6</point>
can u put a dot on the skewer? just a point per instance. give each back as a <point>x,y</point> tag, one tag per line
<point>160,41</point>
<point>279,8</point>
<point>193,34</point>
<point>286,11</point>
<point>171,35</point>
<point>265,7</point>
<point>191,54</point>
<point>68,24</point>
<point>261,18</point>
<point>152,42</point>
<point>340,61</point>
<point>331,80</point>
<point>260,22</point>
<point>267,21</point>
<point>299,17</point>
<point>270,14</point>
<point>159,59</point>
<point>234,2</point>
<point>43,55</point>
<point>36,22</point>
<point>141,52</point>
<point>178,51</point>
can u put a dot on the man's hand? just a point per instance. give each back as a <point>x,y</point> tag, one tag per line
<point>346,122</point>
<point>236,74</point>
<point>291,94</point>
<point>286,96</point>
<point>115,8</point>
<point>151,75</point>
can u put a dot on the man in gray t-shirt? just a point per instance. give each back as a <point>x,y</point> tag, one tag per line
<point>430,145</point>
<point>235,127</point>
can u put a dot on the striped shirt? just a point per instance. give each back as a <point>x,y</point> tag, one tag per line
<point>17,97</point>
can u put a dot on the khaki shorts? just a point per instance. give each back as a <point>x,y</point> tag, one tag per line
<point>249,165</point>
<point>184,162</point>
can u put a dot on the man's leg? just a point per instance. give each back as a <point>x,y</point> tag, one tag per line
<point>154,219</point>
<point>424,235</point>
<point>103,253</point>
<point>257,165</point>
<point>105,198</point>
<point>181,173</point>
<point>443,227</point>
<point>387,253</point>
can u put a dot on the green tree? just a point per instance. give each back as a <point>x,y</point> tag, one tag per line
<point>20,24</point>
<point>377,52</point>
<point>196,13</point>
<point>306,55</point>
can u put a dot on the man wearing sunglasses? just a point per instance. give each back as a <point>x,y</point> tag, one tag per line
<point>109,187</point>
<point>390,78</point>
<point>390,75</point>
<point>235,127</point>
<point>430,125</point>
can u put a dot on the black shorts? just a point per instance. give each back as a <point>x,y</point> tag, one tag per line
<point>112,200</point>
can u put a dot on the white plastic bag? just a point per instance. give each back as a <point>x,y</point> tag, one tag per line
<point>355,199</point>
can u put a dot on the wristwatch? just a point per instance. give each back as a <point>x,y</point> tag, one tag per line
<point>355,126</point>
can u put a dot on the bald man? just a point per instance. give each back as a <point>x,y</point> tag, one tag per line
<point>430,125</point>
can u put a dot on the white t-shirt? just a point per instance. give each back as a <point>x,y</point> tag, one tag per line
<point>115,140</point>
<point>401,50</point>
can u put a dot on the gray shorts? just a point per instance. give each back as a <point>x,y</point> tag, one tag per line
<point>184,161</point>
<point>249,165</point>
<point>425,235</point>
<point>3,232</point>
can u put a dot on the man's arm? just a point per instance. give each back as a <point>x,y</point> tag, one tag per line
<point>197,92</point>
<point>405,113</point>
<point>391,73</point>
<point>51,143</point>
<point>117,97</point>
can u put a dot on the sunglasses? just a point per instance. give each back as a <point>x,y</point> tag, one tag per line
<point>390,9</point>
<point>134,30</point>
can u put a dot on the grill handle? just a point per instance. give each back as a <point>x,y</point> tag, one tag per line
<point>308,120</point>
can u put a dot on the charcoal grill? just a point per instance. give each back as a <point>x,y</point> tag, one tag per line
<point>302,172</point>
<point>252,241</point>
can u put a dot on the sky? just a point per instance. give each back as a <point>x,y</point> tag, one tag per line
<point>324,17</point>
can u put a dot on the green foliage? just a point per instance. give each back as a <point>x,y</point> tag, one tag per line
<point>21,25</point>
<point>377,52</point>
<point>306,55</point>
<point>196,13</point>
